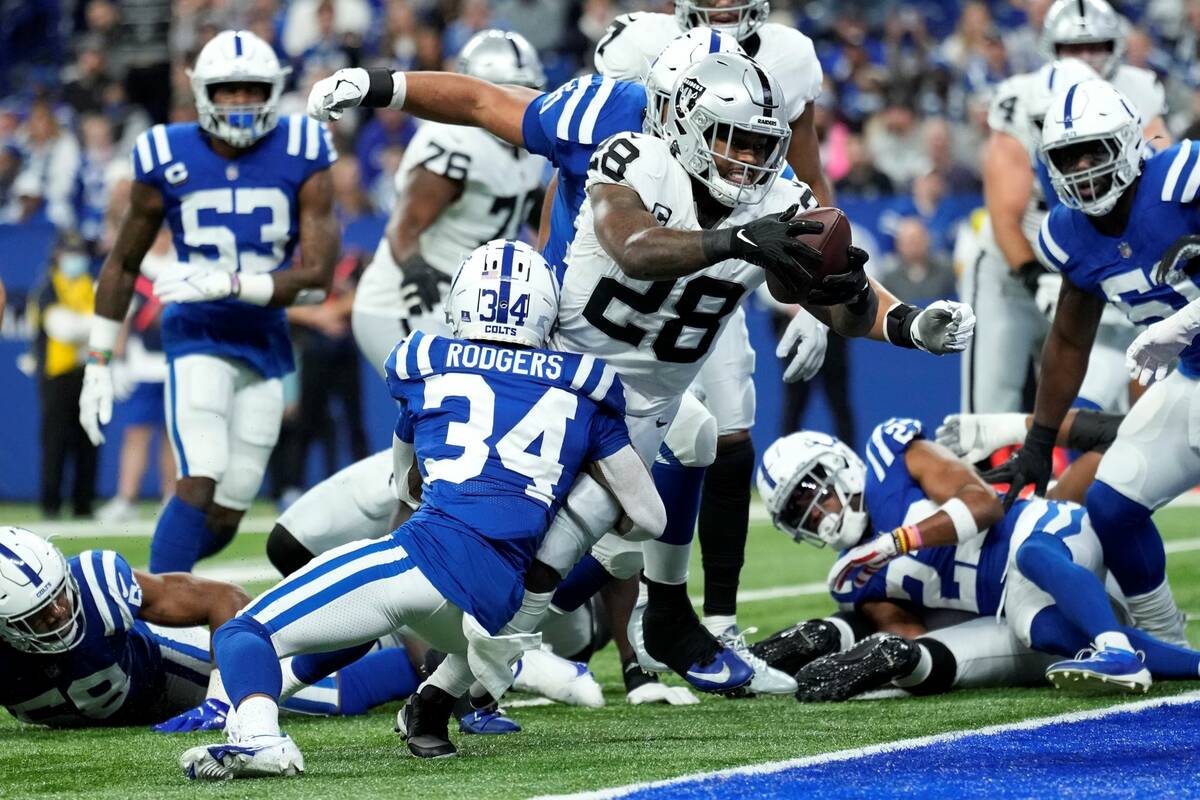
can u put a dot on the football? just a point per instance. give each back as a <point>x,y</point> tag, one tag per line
<point>831,243</point>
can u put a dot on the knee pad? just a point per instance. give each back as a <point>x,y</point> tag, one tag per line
<point>284,552</point>
<point>692,437</point>
<point>620,558</point>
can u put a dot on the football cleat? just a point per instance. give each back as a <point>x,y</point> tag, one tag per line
<point>870,664</point>
<point>792,648</point>
<point>637,638</point>
<point>542,672</point>
<point>424,722</point>
<point>1099,671</point>
<point>490,721</point>
<point>256,757</point>
<point>673,635</point>
<point>766,680</point>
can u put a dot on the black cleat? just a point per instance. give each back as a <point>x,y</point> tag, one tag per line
<point>792,648</point>
<point>868,665</point>
<point>424,722</point>
<point>672,634</point>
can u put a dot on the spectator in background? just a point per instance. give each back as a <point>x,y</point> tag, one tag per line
<point>90,82</point>
<point>545,23</point>
<point>939,147</point>
<point>388,129</point>
<point>990,65</point>
<point>91,185</point>
<point>894,139</point>
<point>914,273</point>
<point>473,17</point>
<point>332,49</point>
<point>862,179</point>
<point>47,180</point>
<point>1024,43</point>
<point>833,135</point>
<point>429,49</point>
<point>63,308</point>
<point>11,209</point>
<point>398,43</point>
<point>593,23</point>
<point>142,54</point>
<point>968,40</point>
<point>302,27</point>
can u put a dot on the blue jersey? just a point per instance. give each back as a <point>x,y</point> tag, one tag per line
<point>967,577</point>
<point>1120,268</point>
<point>499,435</point>
<point>115,675</point>
<point>239,215</point>
<point>566,127</point>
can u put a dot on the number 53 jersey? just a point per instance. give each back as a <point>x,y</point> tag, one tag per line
<point>656,334</point>
<point>235,215</point>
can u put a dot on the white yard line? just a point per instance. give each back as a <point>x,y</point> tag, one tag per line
<point>903,745</point>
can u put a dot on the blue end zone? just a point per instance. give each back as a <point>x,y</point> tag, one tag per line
<point>1151,752</point>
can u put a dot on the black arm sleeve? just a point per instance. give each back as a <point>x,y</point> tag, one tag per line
<point>1093,430</point>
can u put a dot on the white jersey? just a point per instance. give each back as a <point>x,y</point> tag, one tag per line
<point>634,40</point>
<point>500,184</point>
<point>656,334</point>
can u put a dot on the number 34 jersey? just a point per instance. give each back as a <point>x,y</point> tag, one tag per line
<point>235,215</point>
<point>656,334</point>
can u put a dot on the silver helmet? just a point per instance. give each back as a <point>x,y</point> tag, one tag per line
<point>750,15</point>
<point>1075,22</point>
<point>722,106</point>
<point>679,54</point>
<point>502,57</point>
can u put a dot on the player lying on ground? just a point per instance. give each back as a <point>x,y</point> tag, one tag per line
<point>472,410</point>
<point>920,530</point>
<point>89,641</point>
<point>240,189</point>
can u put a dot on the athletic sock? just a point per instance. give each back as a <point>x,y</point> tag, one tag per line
<point>453,676</point>
<point>213,543</point>
<point>178,536</point>
<point>247,660</point>
<point>1078,594</point>
<point>724,522</point>
<point>666,558</point>
<point>1133,548</point>
<point>312,667</point>
<point>1156,613</point>
<point>584,580</point>
<point>717,625</point>
<point>1162,659</point>
<point>1113,640</point>
<point>376,678</point>
<point>257,716</point>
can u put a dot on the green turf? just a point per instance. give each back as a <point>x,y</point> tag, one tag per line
<point>561,749</point>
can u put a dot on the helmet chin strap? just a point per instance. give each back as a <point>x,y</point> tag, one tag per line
<point>852,525</point>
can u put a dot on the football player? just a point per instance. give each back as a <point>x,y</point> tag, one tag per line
<point>581,111</point>
<point>497,427</point>
<point>89,641</point>
<point>1122,214</point>
<point>919,530</point>
<point>1002,280</point>
<point>240,189</point>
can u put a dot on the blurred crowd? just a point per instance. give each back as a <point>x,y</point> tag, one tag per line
<point>902,117</point>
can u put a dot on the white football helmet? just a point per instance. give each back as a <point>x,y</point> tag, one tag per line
<point>1092,121</point>
<point>1053,78</point>
<point>677,56</point>
<point>1085,22</point>
<point>751,14</point>
<point>504,292</point>
<point>722,103</point>
<point>33,576</point>
<point>805,470</point>
<point>502,57</point>
<point>237,57</point>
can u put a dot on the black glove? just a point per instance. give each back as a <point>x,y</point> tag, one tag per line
<point>847,288</point>
<point>1031,464</point>
<point>770,242</point>
<point>1029,273</point>
<point>420,285</point>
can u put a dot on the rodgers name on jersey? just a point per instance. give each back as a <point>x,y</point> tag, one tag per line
<point>655,333</point>
<point>240,215</point>
<point>634,40</point>
<point>116,675</point>
<point>1120,269</point>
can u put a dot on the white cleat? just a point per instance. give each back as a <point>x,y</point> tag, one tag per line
<point>766,680</point>
<point>542,672</point>
<point>257,757</point>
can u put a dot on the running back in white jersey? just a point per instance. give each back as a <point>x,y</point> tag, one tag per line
<point>634,40</point>
<point>656,334</point>
<point>501,184</point>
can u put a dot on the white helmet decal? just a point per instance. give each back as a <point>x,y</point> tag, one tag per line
<point>504,292</point>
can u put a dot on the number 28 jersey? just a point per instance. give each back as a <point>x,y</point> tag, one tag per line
<point>235,215</point>
<point>656,334</point>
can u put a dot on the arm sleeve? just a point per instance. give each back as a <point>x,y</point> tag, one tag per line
<point>634,489</point>
<point>607,435</point>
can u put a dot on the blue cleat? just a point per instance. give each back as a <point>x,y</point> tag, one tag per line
<point>1104,670</point>
<point>491,721</point>
<point>724,672</point>
<point>671,633</point>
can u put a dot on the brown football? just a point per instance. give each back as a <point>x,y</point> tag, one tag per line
<point>831,243</point>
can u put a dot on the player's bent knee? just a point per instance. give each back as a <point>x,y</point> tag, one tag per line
<point>692,437</point>
<point>285,552</point>
<point>1036,554</point>
<point>620,558</point>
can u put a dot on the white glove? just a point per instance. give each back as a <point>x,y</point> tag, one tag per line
<point>123,381</point>
<point>1046,296</point>
<point>860,563</point>
<point>1149,357</point>
<point>96,401</point>
<point>944,327</point>
<point>805,341</point>
<point>195,285</point>
<point>656,692</point>
<point>974,437</point>
<point>331,96</point>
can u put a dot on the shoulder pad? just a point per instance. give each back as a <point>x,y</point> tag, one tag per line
<point>412,358</point>
<point>1051,238</point>
<point>600,382</point>
<point>1182,178</point>
<point>155,159</point>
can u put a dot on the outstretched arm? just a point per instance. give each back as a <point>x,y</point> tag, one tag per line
<point>180,599</point>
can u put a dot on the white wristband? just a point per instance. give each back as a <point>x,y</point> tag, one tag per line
<point>256,289</point>
<point>103,337</point>
<point>965,525</point>
<point>399,90</point>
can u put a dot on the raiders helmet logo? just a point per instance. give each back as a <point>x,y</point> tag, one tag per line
<point>687,94</point>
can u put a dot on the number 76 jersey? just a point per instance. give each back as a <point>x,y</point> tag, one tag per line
<point>656,334</point>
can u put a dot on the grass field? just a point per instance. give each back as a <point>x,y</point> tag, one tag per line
<point>561,749</point>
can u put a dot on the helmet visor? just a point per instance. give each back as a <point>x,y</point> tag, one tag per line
<point>720,15</point>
